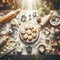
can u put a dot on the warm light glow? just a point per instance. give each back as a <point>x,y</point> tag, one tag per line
<point>27,4</point>
<point>31,4</point>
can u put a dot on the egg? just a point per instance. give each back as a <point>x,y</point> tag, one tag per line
<point>29,32</point>
<point>23,31</point>
<point>25,37</point>
<point>34,35</point>
<point>26,27</point>
<point>30,38</point>
<point>34,30</point>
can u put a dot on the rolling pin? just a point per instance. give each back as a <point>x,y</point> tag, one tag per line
<point>46,19</point>
<point>9,16</point>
